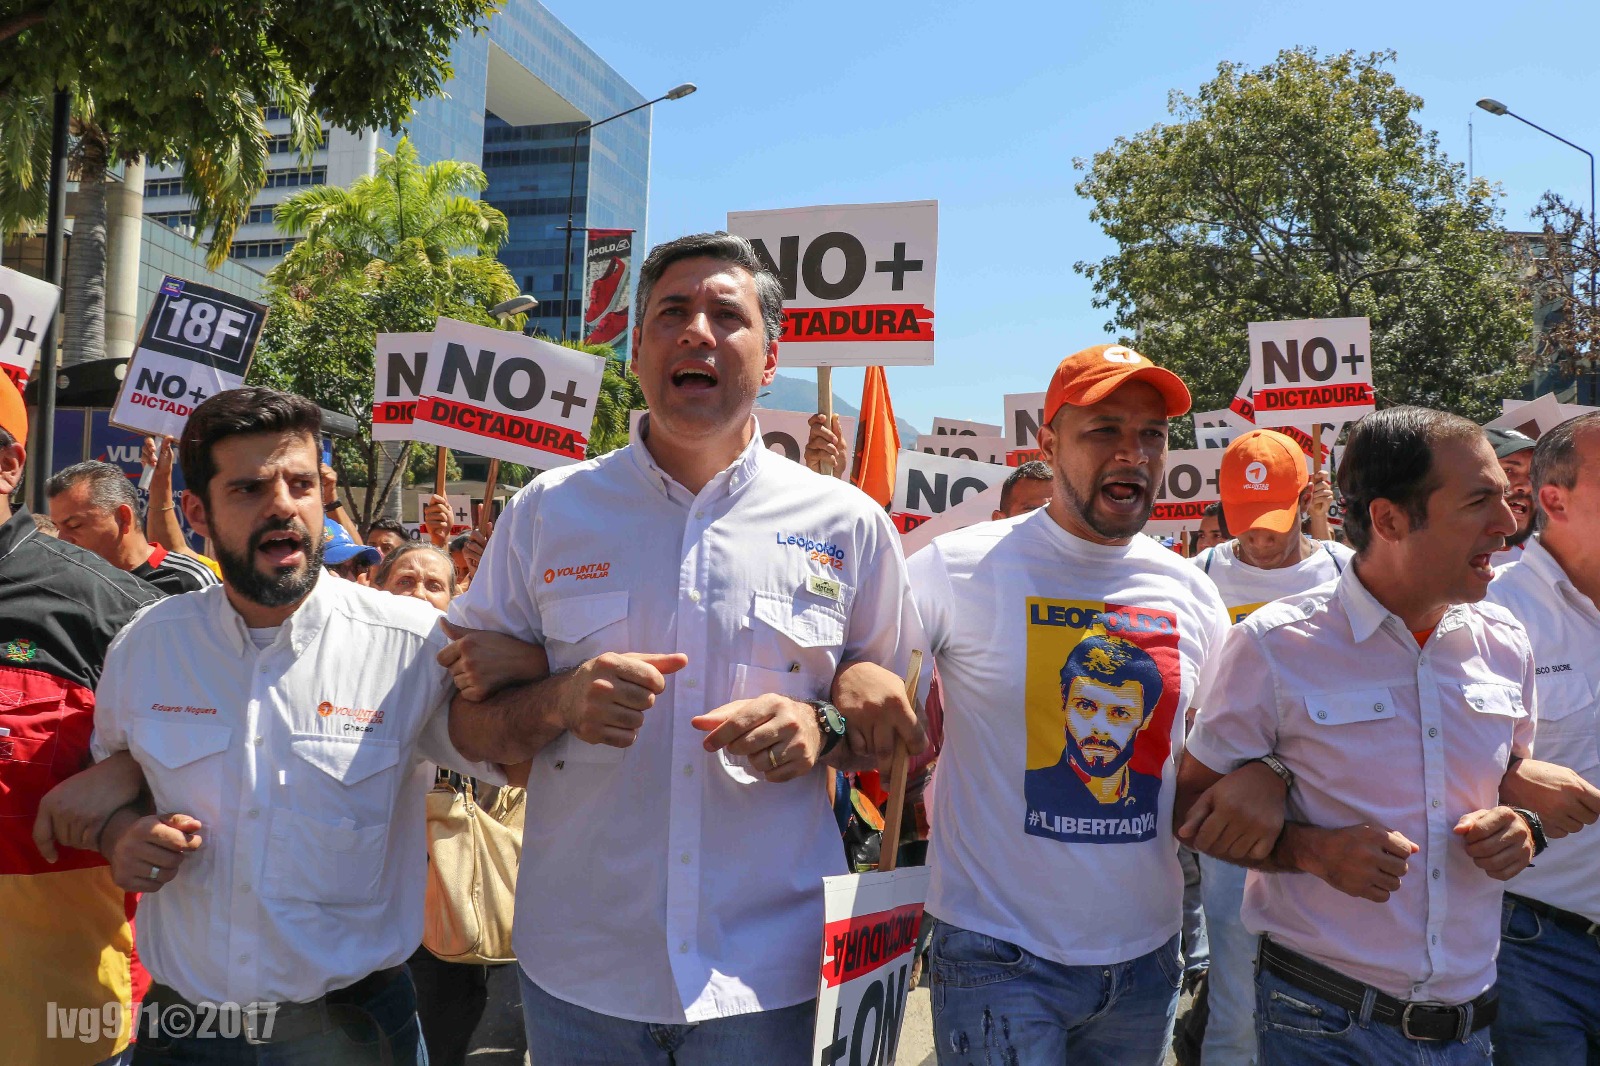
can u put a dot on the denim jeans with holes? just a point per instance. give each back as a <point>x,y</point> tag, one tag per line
<point>1549,992</point>
<point>995,1002</point>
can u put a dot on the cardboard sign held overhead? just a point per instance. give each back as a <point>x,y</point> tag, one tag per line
<point>1538,416</point>
<point>26,307</point>
<point>858,280</point>
<point>1241,413</point>
<point>197,341</point>
<point>1024,415</point>
<point>944,427</point>
<point>978,449</point>
<point>969,512</point>
<point>401,364</point>
<point>1188,484</point>
<point>500,394</point>
<point>928,485</point>
<point>1310,371</point>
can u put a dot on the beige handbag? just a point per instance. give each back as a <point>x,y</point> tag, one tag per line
<point>473,853</point>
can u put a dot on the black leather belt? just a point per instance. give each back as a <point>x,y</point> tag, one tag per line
<point>282,1022</point>
<point>1577,923</point>
<point>1418,1021</point>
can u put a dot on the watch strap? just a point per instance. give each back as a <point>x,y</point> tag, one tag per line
<point>1276,765</point>
<point>1536,824</point>
<point>830,734</point>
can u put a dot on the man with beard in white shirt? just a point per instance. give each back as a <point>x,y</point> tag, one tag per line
<point>1514,450</point>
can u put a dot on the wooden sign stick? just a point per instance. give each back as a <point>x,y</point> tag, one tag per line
<point>889,848</point>
<point>485,511</point>
<point>825,406</point>
<point>441,461</point>
<point>1316,448</point>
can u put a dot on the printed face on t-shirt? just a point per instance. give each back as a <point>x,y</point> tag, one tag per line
<point>1101,721</point>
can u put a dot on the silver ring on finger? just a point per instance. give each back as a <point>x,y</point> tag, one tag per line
<point>155,873</point>
<point>772,757</point>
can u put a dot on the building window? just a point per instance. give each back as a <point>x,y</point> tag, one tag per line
<point>281,143</point>
<point>293,176</point>
<point>163,187</point>
<point>261,249</point>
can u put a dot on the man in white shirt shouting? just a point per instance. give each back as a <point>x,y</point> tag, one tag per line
<point>1393,700</point>
<point>1550,932</point>
<point>1070,649</point>
<point>701,600</point>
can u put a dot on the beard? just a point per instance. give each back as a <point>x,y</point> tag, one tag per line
<point>1112,528</point>
<point>285,585</point>
<point>1094,768</point>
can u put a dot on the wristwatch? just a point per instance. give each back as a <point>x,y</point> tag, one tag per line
<point>1540,841</point>
<point>334,505</point>
<point>830,723</point>
<point>1275,764</point>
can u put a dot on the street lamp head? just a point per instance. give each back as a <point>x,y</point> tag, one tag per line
<point>681,91</point>
<point>1494,107</point>
<point>517,305</point>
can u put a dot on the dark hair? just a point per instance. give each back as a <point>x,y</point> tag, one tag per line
<point>1113,661</point>
<point>1032,470</point>
<point>109,487</point>
<point>458,543</point>
<point>237,413</point>
<point>6,439</point>
<point>727,248</point>
<point>1555,457</point>
<point>386,567</point>
<point>387,525</point>
<point>1389,456</point>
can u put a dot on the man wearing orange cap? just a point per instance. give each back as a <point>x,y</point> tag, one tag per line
<point>67,965</point>
<point>1266,491</point>
<point>1070,649</point>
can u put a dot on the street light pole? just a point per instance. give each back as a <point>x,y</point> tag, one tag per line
<point>677,93</point>
<point>1495,107</point>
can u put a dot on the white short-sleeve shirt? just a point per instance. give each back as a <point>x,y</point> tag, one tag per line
<point>660,882</point>
<point>1246,589</point>
<point>1377,730</point>
<point>306,763</point>
<point>1564,628</point>
<point>1067,669</point>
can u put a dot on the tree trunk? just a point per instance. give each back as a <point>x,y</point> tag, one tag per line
<point>84,291</point>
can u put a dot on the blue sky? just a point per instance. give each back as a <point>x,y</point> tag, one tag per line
<point>983,106</point>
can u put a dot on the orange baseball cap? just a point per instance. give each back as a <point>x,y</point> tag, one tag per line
<point>1095,373</point>
<point>1263,474</point>
<point>13,412</point>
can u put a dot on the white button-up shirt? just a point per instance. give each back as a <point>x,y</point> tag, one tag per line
<point>659,882</point>
<point>1564,628</point>
<point>306,763</point>
<point>1377,730</point>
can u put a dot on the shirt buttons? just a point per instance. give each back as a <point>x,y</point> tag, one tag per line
<point>1377,708</point>
<point>244,889</point>
<point>699,514</point>
<point>1432,732</point>
<point>1436,875</point>
<point>1435,803</point>
<point>694,595</point>
<point>259,741</point>
<point>244,958</point>
<point>685,858</point>
<point>683,948</point>
<point>690,682</point>
<point>688,769</point>
<point>1322,714</point>
<point>1434,939</point>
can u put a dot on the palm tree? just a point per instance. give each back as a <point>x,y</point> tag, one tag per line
<point>424,214</point>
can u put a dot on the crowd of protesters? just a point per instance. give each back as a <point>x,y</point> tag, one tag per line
<point>1313,774</point>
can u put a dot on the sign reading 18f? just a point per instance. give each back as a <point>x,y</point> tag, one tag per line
<point>218,333</point>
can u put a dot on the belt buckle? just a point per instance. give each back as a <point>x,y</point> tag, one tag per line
<point>1405,1023</point>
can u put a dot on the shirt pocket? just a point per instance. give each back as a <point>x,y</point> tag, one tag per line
<point>747,682</point>
<point>1566,730</point>
<point>790,630</point>
<point>190,755</point>
<point>578,628</point>
<point>1350,707</point>
<point>337,854</point>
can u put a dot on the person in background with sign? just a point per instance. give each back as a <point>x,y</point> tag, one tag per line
<point>1070,648</point>
<point>285,723</point>
<point>1266,493</point>
<point>671,908</point>
<point>1549,956</point>
<point>161,525</point>
<point>97,508</point>
<point>1514,450</point>
<point>67,941</point>
<point>1390,701</point>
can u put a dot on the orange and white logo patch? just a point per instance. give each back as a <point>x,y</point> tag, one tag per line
<point>1255,476</point>
<point>585,572</point>
<point>1119,354</point>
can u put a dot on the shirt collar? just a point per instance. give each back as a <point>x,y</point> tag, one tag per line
<point>1537,558</point>
<point>18,529</point>
<point>1367,615</point>
<point>728,482</point>
<point>300,628</point>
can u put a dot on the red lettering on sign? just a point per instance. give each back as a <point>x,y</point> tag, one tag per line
<point>394,413</point>
<point>906,522</point>
<point>1310,398</point>
<point>1180,511</point>
<point>860,322</point>
<point>527,432</point>
<point>865,942</point>
<point>1018,456</point>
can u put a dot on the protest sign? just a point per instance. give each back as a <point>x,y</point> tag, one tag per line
<point>498,393</point>
<point>969,512</point>
<point>1215,429</point>
<point>608,288</point>
<point>401,362</point>
<point>1188,484</point>
<point>26,307</point>
<point>944,427</point>
<point>928,485</point>
<point>858,280</point>
<point>1024,414</point>
<point>1242,412</point>
<point>197,341</point>
<point>868,944</point>
<point>461,510</point>
<point>978,449</point>
<point>1538,416</point>
<point>1310,371</point>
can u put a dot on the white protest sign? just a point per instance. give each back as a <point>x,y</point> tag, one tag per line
<point>460,510</point>
<point>1188,484</point>
<point>969,512</point>
<point>197,341</point>
<point>868,943</point>
<point>857,280</point>
<point>1538,416</point>
<point>1242,412</point>
<point>498,393</point>
<point>1215,429</point>
<point>944,427</point>
<point>26,307</point>
<point>978,449</point>
<point>928,485</point>
<point>1024,415</point>
<point>1310,371</point>
<point>400,362</point>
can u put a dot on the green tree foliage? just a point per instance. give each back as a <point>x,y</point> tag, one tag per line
<point>186,80</point>
<point>1561,268</point>
<point>620,396</point>
<point>1307,189</point>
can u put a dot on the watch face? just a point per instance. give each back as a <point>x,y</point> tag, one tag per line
<point>835,719</point>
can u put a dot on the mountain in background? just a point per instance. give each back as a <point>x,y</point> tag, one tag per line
<point>800,394</point>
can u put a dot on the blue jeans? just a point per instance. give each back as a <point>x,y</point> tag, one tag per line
<point>1549,993</point>
<point>560,1032</point>
<point>1298,1028</point>
<point>380,1031</point>
<point>1231,1027</point>
<point>993,1001</point>
<point>1196,946</point>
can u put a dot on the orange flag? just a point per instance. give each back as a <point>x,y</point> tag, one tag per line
<point>877,439</point>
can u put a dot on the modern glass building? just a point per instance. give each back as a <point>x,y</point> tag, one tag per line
<point>521,88</point>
